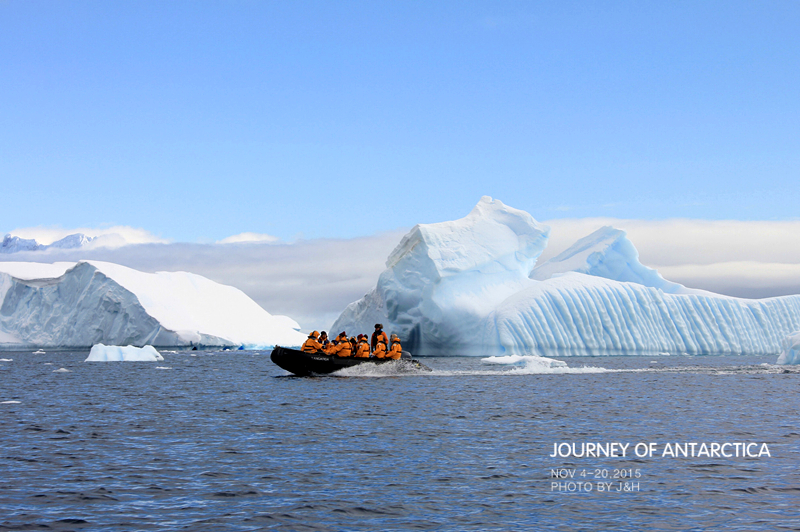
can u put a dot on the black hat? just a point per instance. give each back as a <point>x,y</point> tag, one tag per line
<point>378,326</point>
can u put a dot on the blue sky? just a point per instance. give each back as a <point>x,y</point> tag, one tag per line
<point>200,120</point>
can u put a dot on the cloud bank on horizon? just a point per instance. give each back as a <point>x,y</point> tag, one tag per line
<point>313,280</point>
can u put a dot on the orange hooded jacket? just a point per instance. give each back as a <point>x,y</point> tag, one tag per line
<point>343,348</point>
<point>362,349</point>
<point>311,345</point>
<point>396,351</point>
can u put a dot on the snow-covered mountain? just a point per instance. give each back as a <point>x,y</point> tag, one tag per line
<point>14,244</point>
<point>469,287</point>
<point>89,302</point>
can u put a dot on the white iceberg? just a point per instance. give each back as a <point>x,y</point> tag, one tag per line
<point>791,350</point>
<point>115,353</point>
<point>469,287</point>
<point>90,302</point>
<point>580,314</point>
<point>443,279</point>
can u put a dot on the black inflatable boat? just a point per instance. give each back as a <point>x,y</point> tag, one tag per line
<point>305,364</point>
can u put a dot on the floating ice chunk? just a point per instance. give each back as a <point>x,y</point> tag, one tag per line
<point>534,365</point>
<point>6,360</point>
<point>62,370</point>
<point>9,402</point>
<point>39,352</point>
<point>162,367</point>
<point>115,353</point>
<point>791,350</point>
<point>525,360</point>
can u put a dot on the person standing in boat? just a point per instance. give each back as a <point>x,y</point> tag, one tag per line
<point>343,348</point>
<point>396,351</point>
<point>362,348</point>
<point>311,345</point>
<point>379,335</point>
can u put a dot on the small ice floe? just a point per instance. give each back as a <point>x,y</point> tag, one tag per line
<point>654,361</point>
<point>48,363</point>
<point>531,364</point>
<point>39,352</point>
<point>527,360</point>
<point>791,350</point>
<point>9,402</point>
<point>62,370</point>
<point>115,353</point>
<point>162,367</point>
<point>6,360</point>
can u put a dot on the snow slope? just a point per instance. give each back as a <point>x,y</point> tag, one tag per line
<point>469,287</point>
<point>92,302</point>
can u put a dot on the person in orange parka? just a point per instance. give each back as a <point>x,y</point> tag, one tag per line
<point>396,350</point>
<point>311,345</point>
<point>362,348</point>
<point>380,349</point>
<point>379,335</point>
<point>343,348</point>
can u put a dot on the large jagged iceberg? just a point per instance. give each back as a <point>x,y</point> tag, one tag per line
<point>469,287</point>
<point>443,279</point>
<point>90,302</point>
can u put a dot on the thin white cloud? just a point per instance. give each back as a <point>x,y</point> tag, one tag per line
<point>248,237</point>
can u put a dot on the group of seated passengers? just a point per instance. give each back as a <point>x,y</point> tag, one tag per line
<point>357,347</point>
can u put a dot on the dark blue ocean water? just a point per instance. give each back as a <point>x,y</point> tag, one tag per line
<point>226,441</point>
